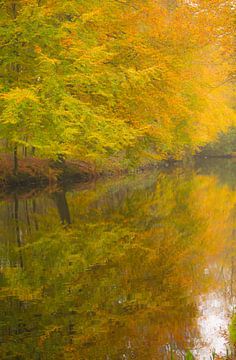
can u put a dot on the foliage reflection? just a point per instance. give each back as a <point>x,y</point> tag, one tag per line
<point>114,270</point>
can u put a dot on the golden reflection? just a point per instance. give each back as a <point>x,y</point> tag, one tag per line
<point>118,269</point>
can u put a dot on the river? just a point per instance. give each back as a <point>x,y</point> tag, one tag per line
<point>139,267</point>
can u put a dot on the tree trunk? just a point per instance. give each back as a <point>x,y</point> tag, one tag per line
<point>62,206</point>
<point>17,229</point>
<point>15,169</point>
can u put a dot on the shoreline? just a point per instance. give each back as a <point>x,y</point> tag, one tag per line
<point>37,173</point>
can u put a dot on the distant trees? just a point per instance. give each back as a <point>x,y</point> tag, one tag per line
<point>224,145</point>
<point>113,79</point>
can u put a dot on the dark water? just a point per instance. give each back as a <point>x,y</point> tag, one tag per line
<point>141,267</point>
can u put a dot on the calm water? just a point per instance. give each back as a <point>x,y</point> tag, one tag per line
<point>141,267</point>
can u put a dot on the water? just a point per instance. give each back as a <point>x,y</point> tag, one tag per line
<point>140,267</point>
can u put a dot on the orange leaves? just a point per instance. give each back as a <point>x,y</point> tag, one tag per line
<point>38,49</point>
<point>67,42</point>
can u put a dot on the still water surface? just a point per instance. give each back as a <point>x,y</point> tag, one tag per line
<point>141,267</point>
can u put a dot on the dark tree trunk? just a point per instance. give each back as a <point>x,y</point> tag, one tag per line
<point>18,231</point>
<point>15,159</point>
<point>62,206</point>
<point>35,215</point>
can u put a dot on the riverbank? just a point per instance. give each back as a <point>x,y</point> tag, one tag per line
<point>35,172</point>
<point>41,172</point>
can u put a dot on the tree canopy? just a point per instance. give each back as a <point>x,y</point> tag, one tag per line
<point>115,81</point>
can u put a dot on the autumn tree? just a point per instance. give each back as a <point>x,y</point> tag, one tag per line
<point>113,81</point>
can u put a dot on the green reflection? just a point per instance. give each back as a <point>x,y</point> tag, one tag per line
<point>112,270</point>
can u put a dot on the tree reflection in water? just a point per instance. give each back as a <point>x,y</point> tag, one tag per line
<point>126,279</point>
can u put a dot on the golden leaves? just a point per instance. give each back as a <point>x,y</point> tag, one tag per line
<point>19,95</point>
